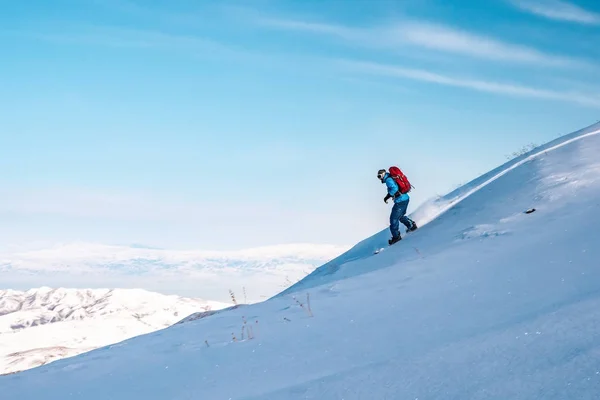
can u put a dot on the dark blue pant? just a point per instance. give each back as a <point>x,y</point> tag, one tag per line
<point>399,215</point>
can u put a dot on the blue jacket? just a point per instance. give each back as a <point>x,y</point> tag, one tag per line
<point>392,187</point>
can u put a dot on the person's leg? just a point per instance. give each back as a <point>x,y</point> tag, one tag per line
<point>394,220</point>
<point>409,223</point>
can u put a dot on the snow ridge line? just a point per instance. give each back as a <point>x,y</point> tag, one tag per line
<point>507,170</point>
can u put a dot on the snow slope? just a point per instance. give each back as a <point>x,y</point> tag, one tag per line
<point>42,325</point>
<point>263,271</point>
<point>484,301</point>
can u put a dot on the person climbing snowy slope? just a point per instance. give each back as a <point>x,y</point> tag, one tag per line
<point>398,187</point>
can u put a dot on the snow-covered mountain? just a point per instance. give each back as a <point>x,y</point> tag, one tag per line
<point>45,324</point>
<point>259,272</point>
<point>496,296</point>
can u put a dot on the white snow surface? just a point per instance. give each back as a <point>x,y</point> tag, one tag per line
<point>484,301</point>
<point>45,324</point>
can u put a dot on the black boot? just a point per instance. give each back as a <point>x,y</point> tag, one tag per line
<point>413,227</point>
<point>394,240</point>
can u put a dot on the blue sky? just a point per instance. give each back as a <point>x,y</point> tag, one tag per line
<point>230,124</point>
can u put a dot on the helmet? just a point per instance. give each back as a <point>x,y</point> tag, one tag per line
<point>380,174</point>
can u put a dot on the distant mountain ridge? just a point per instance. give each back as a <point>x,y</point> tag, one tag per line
<point>44,324</point>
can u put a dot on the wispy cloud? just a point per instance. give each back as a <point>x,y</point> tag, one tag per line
<point>558,10</point>
<point>124,6</point>
<point>128,38</point>
<point>429,36</point>
<point>452,40</point>
<point>319,28</point>
<point>473,84</point>
<point>192,45</point>
<point>264,271</point>
<point>165,15</point>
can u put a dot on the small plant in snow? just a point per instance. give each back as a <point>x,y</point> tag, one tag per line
<point>243,327</point>
<point>523,150</point>
<point>248,328</point>
<point>232,297</point>
<point>308,310</point>
<point>287,283</point>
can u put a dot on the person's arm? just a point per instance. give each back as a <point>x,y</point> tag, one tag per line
<point>392,189</point>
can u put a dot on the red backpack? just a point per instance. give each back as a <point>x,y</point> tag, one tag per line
<point>398,176</point>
